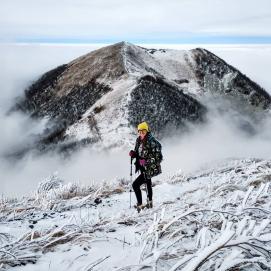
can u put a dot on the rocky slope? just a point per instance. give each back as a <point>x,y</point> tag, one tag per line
<point>101,96</point>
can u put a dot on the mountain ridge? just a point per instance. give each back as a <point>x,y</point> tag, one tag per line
<point>101,96</point>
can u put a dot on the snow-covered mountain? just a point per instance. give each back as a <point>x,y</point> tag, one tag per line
<point>215,219</point>
<point>100,97</point>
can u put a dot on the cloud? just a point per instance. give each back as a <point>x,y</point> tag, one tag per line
<point>153,19</point>
<point>83,167</point>
<point>213,143</point>
<point>24,64</point>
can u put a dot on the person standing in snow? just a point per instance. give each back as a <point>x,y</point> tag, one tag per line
<point>148,155</point>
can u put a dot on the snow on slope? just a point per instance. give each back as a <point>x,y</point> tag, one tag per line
<point>215,219</point>
<point>174,65</point>
<point>179,65</point>
<point>111,120</point>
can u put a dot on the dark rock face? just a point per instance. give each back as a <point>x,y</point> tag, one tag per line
<point>41,91</point>
<point>73,105</point>
<point>69,90</point>
<point>162,105</point>
<point>211,71</point>
<point>41,100</point>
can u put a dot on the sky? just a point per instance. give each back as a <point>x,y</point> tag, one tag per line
<point>152,21</point>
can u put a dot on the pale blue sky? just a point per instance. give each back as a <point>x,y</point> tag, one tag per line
<point>141,21</point>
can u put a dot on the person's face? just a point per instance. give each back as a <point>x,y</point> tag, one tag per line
<point>142,133</point>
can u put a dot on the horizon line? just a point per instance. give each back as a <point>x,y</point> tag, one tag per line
<point>135,43</point>
<point>173,40</point>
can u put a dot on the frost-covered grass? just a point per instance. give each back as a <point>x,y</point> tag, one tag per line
<point>215,219</point>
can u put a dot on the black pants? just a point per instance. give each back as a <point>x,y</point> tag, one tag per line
<point>136,186</point>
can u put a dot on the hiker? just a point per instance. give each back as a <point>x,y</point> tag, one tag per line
<point>148,158</point>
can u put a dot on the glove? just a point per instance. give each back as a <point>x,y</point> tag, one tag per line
<point>142,162</point>
<point>132,154</point>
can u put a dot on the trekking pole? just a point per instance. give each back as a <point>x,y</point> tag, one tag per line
<point>131,180</point>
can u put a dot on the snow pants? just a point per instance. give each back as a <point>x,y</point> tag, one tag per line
<point>136,186</point>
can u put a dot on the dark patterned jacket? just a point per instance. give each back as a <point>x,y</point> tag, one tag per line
<point>150,150</point>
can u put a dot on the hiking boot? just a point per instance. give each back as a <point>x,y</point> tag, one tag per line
<point>149,204</point>
<point>139,207</point>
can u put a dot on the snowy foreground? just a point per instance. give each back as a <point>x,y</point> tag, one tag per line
<point>216,219</point>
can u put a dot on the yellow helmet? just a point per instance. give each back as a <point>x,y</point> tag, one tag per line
<point>143,126</point>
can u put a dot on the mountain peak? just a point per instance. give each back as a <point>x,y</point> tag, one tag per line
<point>101,96</point>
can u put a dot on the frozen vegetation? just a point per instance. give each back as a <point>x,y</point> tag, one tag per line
<point>213,219</point>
